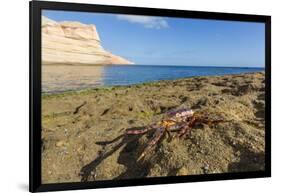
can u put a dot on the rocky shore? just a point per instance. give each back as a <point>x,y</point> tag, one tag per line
<point>82,131</point>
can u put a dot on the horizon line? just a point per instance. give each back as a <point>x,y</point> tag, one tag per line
<point>177,65</point>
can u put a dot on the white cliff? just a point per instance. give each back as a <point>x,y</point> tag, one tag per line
<point>74,43</point>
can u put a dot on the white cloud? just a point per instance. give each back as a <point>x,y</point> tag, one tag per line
<point>146,21</point>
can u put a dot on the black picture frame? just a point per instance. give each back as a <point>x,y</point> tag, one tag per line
<point>35,184</point>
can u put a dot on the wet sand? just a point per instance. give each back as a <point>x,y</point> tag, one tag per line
<point>80,130</point>
<point>60,78</point>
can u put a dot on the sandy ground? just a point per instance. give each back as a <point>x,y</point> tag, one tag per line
<point>80,130</point>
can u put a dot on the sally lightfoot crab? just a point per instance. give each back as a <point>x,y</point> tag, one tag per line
<point>179,121</point>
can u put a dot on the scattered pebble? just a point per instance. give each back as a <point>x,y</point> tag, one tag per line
<point>205,168</point>
<point>182,171</point>
<point>60,143</point>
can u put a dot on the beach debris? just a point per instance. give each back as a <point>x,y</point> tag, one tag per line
<point>180,121</point>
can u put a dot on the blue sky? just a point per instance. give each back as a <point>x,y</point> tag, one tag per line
<point>175,41</point>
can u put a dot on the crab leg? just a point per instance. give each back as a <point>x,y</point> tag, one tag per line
<point>159,133</point>
<point>187,128</point>
<point>141,131</point>
<point>176,128</point>
<point>183,132</point>
<point>169,133</point>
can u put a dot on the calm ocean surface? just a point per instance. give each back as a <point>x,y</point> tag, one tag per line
<point>65,78</point>
<point>134,74</point>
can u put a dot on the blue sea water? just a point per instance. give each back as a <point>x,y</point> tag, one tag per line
<point>67,78</point>
<point>134,74</point>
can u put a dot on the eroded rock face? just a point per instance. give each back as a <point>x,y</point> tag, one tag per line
<point>74,43</point>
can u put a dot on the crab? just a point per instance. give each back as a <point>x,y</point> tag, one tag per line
<point>180,121</point>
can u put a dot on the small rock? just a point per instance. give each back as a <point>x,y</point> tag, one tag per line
<point>182,171</point>
<point>50,129</point>
<point>205,168</point>
<point>81,148</point>
<point>131,121</point>
<point>202,151</point>
<point>237,153</point>
<point>60,143</point>
<point>216,171</point>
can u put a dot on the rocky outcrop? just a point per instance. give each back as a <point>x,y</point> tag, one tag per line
<point>74,43</point>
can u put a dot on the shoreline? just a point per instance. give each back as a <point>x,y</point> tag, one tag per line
<point>106,87</point>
